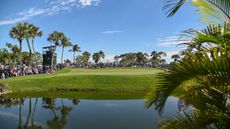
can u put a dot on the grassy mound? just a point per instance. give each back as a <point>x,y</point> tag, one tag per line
<point>108,79</point>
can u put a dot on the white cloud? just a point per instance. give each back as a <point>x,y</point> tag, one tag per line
<point>168,41</point>
<point>15,116</point>
<point>112,31</point>
<point>54,7</point>
<point>89,2</point>
<point>12,21</point>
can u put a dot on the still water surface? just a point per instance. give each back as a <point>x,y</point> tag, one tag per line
<point>58,113</point>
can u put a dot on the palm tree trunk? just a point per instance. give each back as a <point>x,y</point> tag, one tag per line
<point>52,59</point>
<point>20,54</point>
<point>32,119</point>
<point>20,45</point>
<point>62,54</point>
<point>33,46</point>
<point>74,57</point>
<point>30,51</point>
<point>29,113</point>
<point>20,117</point>
<point>34,51</point>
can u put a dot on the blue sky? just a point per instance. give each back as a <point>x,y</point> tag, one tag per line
<point>114,26</point>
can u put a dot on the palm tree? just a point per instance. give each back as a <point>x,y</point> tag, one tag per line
<point>141,58</point>
<point>75,49</point>
<point>34,32</point>
<point>26,30</point>
<point>209,49</point>
<point>17,32</point>
<point>203,74</point>
<point>204,79</point>
<point>85,57</point>
<point>4,56</point>
<point>102,55</point>
<point>55,38</point>
<point>156,58</point>
<point>20,115</point>
<point>15,52</point>
<point>97,56</point>
<point>128,59</point>
<point>65,43</point>
<point>29,114</point>
<point>175,57</point>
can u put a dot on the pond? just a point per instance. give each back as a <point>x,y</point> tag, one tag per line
<point>65,113</point>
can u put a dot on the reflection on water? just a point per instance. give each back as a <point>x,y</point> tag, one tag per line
<point>58,113</point>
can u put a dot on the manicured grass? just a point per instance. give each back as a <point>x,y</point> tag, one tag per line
<point>108,79</point>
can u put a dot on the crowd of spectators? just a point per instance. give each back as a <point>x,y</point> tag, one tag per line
<point>22,70</point>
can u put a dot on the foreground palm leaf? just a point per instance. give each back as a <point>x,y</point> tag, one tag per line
<point>203,70</point>
<point>186,121</point>
<point>206,39</point>
<point>212,11</point>
<point>205,81</point>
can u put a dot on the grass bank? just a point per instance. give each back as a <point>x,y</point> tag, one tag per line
<point>108,79</point>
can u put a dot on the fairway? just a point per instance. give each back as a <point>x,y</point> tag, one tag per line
<point>107,79</point>
<point>114,71</point>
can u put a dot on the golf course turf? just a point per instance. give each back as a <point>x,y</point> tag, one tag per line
<point>106,79</point>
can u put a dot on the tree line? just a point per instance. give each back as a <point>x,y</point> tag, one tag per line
<point>12,54</point>
<point>138,59</point>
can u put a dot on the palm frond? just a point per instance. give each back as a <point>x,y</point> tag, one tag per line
<point>212,11</point>
<point>188,120</point>
<point>213,35</point>
<point>212,71</point>
<point>172,6</point>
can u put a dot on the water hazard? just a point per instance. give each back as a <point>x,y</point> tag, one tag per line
<point>58,113</point>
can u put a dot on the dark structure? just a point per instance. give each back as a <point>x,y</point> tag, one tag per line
<point>48,54</point>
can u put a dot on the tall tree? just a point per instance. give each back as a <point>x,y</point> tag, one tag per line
<point>35,32</point>
<point>26,30</point>
<point>17,32</point>
<point>4,56</point>
<point>102,54</point>
<point>55,39</point>
<point>97,56</point>
<point>85,57</point>
<point>141,58</point>
<point>157,58</point>
<point>15,52</point>
<point>65,43</point>
<point>128,59</point>
<point>75,48</point>
<point>175,57</point>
